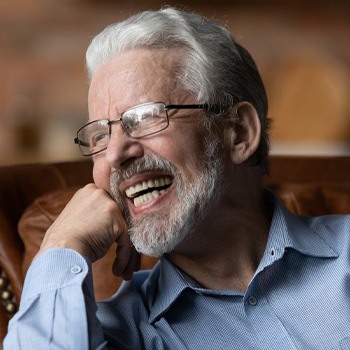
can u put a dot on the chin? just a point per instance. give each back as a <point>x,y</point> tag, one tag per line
<point>155,238</point>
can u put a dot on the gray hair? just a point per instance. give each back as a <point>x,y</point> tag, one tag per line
<point>215,67</point>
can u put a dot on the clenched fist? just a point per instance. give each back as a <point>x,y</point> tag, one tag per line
<point>90,223</point>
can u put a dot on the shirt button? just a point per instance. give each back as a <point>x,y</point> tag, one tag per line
<point>252,301</point>
<point>75,269</point>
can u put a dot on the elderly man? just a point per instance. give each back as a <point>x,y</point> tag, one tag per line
<point>178,135</point>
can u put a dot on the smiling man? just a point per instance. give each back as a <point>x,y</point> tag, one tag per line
<point>177,132</point>
<point>160,164</point>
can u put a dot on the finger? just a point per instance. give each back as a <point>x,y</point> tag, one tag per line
<point>133,265</point>
<point>124,251</point>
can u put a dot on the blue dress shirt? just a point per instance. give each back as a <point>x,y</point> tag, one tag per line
<point>299,298</point>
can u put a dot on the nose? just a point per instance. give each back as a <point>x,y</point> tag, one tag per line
<point>121,148</point>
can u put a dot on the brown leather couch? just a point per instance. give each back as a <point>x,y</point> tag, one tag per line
<point>31,196</point>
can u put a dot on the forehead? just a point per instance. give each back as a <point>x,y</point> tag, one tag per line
<point>134,77</point>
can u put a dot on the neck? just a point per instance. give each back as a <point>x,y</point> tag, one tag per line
<point>227,246</point>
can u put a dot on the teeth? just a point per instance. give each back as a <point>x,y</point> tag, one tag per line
<point>145,198</point>
<point>132,191</point>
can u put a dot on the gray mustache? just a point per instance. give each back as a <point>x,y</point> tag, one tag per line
<point>141,165</point>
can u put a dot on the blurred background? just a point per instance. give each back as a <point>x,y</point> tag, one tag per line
<point>301,48</point>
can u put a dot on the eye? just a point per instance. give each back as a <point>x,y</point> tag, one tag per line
<point>99,137</point>
<point>139,122</point>
<point>144,119</point>
<point>148,116</point>
<point>131,121</point>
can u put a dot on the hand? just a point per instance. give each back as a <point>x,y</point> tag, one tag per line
<point>90,223</point>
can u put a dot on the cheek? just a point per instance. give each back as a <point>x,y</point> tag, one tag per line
<point>101,175</point>
<point>184,150</point>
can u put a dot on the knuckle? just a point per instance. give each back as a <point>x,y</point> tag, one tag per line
<point>89,186</point>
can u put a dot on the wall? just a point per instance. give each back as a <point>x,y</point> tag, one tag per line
<point>301,47</point>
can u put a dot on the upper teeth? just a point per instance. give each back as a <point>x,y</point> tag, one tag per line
<point>132,191</point>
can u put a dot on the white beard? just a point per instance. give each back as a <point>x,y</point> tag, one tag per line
<point>158,233</point>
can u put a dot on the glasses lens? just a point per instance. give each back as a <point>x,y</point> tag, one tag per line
<point>93,137</point>
<point>145,119</point>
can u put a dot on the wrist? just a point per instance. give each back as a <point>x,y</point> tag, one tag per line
<point>72,244</point>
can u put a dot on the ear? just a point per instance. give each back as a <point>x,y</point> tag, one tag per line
<point>244,134</point>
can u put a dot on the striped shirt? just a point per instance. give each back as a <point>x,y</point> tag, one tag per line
<point>298,298</point>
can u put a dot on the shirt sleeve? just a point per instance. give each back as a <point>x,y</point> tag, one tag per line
<point>57,309</point>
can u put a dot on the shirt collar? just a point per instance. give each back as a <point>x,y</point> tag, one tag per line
<point>291,231</point>
<point>163,287</point>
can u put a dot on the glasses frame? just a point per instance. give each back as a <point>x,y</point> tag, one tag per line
<point>167,108</point>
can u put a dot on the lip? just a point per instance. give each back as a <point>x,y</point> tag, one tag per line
<point>139,178</point>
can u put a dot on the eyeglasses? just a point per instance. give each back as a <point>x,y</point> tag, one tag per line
<point>139,121</point>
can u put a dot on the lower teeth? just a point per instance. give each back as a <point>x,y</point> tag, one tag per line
<point>145,198</point>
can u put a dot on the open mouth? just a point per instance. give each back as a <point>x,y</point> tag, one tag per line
<point>146,191</point>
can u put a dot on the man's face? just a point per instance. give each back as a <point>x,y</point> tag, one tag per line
<point>161,181</point>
